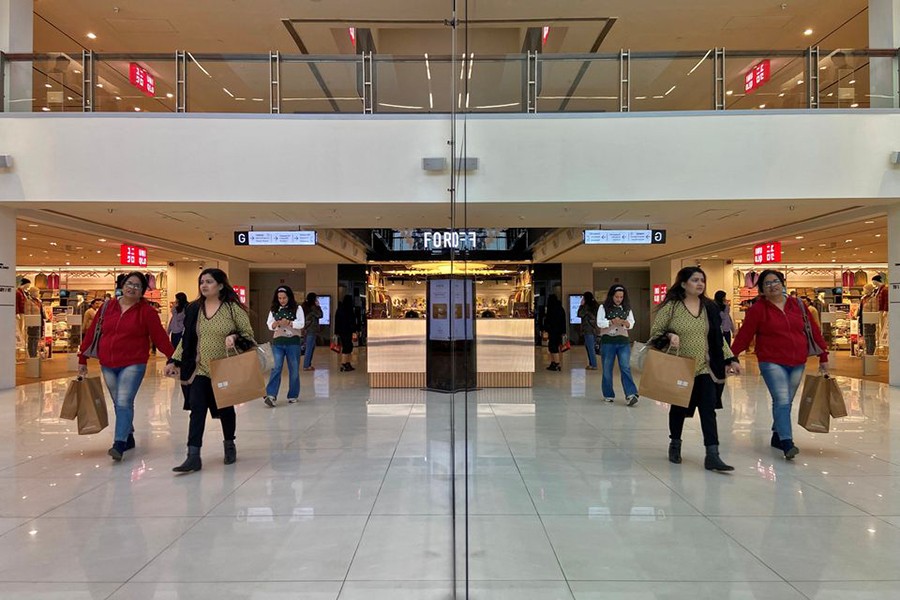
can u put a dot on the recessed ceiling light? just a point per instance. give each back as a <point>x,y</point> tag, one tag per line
<point>822,245</point>
<point>100,85</point>
<point>24,239</point>
<point>762,105</point>
<point>781,95</point>
<point>852,81</point>
<point>822,68</point>
<point>170,95</point>
<point>137,109</point>
<point>68,263</point>
<point>799,82</point>
<point>99,251</point>
<point>101,239</point>
<point>798,237</point>
<point>808,32</point>
<point>118,97</point>
<point>47,85</point>
<point>92,36</point>
<point>77,72</point>
<point>869,222</point>
<point>45,108</point>
<point>847,241</point>
<point>802,249</point>
<point>854,105</point>
<point>32,224</point>
<point>53,243</point>
<point>729,92</point>
<point>877,235</point>
<point>69,98</point>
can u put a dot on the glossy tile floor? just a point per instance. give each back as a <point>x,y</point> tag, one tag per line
<point>348,495</point>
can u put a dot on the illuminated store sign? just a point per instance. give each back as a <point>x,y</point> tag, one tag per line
<point>624,236</point>
<point>133,256</point>
<point>757,76</point>
<point>142,79</point>
<point>275,238</point>
<point>241,291</point>
<point>442,240</point>
<point>764,254</point>
<point>659,292</point>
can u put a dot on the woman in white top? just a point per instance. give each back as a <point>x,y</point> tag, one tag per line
<point>615,319</point>
<point>285,321</point>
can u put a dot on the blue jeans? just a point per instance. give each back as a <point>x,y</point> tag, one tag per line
<point>310,348</point>
<point>783,382</point>
<point>590,341</point>
<point>609,353</point>
<point>291,353</point>
<point>123,384</point>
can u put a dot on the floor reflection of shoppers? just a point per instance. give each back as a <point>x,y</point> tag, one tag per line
<point>345,326</point>
<point>312,313</point>
<point>778,324</point>
<point>285,321</point>
<point>555,326</point>
<point>725,313</point>
<point>127,325</point>
<point>615,318</point>
<point>587,312</point>
<point>176,321</point>
<point>693,326</point>
<point>212,323</point>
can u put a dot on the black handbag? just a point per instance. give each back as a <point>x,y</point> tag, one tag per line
<point>661,341</point>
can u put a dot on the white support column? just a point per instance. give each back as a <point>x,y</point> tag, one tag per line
<point>893,221</point>
<point>17,36</point>
<point>7,298</point>
<point>884,32</point>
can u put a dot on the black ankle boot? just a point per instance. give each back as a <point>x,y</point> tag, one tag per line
<point>191,463</point>
<point>789,449</point>
<point>230,452</point>
<point>776,442</point>
<point>129,443</point>
<point>552,366</point>
<point>675,451</point>
<point>713,462</point>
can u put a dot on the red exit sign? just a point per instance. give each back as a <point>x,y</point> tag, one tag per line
<point>659,293</point>
<point>767,253</point>
<point>133,256</point>
<point>757,76</point>
<point>142,79</point>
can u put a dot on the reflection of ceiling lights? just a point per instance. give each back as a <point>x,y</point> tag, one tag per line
<point>447,268</point>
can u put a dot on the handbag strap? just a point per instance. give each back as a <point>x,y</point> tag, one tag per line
<point>99,325</point>
<point>805,314</point>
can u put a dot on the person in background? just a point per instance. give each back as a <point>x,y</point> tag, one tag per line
<point>88,317</point>
<point>615,318</point>
<point>344,327</point>
<point>285,321</point>
<point>725,313</point>
<point>212,323</point>
<point>691,322</point>
<point>176,321</point>
<point>588,314</point>
<point>813,311</point>
<point>778,324</point>
<point>555,326</point>
<point>128,325</point>
<point>312,313</point>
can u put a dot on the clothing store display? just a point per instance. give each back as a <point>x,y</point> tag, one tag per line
<point>860,278</point>
<point>751,279</point>
<point>848,278</point>
<point>53,281</point>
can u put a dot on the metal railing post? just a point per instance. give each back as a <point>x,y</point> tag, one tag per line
<point>531,71</point>
<point>719,79</point>
<point>3,63</point>
<point>812,77</point>
<point>368,88</point>
<point>624,80</point>
<point>274,83</point>
<point>180,81</point>
<point>87,81</point>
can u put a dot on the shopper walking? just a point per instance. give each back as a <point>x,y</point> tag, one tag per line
<point>555,326</point>
<point>725,314</point>
<point>212,324</point>
<point>615,319</point>
<point>176,321</point>
<point>89,314</point>
<point>127,325</point>
<point>692,324</point>
<point>286,322</point>
<point>345,326</point>
<point>587,311</point>
<point>312,313</point>
<point>779,324</point>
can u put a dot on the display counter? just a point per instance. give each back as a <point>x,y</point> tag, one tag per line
<point>504,352</point>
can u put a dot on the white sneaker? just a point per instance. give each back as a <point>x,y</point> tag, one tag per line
<point>293,400</point>
<point>610,399</point>
<point>270,401</point>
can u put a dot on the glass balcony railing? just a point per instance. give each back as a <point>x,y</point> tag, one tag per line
<point>529,83</point>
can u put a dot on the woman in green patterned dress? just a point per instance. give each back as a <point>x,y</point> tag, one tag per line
<point>694,327</point>
<point>212,323</point>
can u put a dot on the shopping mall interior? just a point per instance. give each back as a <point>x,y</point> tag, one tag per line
<point>448,166</point>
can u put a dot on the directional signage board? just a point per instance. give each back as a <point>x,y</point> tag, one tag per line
<point>274,238</point>
<point>624,236</point>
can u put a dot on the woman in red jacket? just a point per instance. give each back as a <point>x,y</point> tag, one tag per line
<point>779,324</point>
<point>127,325</point>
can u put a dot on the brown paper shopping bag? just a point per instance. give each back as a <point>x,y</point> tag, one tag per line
<point>814,405</point>
<point>836,405</point>
<point>92,415</point>
<point>668,378</point>
<point>237,379</point>
<point>69,409</point>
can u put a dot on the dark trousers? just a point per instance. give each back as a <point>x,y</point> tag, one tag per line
<point>727,336</point>
<point>200,398</point>
<point>704,397</point>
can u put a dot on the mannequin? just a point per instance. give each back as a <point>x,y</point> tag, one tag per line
<point>21,300</point>
<point>881,294</point>
<point>868,304</point>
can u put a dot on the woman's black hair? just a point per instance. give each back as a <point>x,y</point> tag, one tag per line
<point>310,301</point>
<point>719,299</point>
<point>553,301</point>
<point>227,293</point>
<point>140,277</point>
<point>762,276</point>
<point>676,291</point>
<point>291,303</point>
<point>590,301</point>
<point>347,303</point>
<point>609,303</point>
<point>181,302</point>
